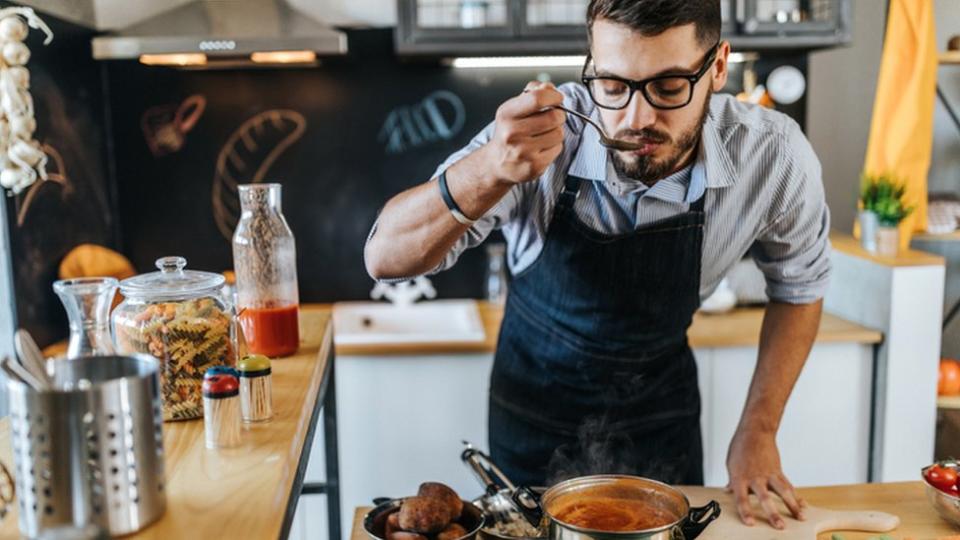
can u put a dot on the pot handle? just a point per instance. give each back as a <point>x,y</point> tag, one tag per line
<point>698,519</point>
<point>527,502</point>
<point>377,501</point>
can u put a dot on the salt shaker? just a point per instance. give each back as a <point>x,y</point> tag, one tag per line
<point>221,410</point>
<point>256,400</point>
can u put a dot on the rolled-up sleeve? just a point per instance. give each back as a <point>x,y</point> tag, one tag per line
<point>479,231</point>
<point>793,250</point>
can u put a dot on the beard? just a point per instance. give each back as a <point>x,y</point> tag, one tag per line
<point>648,169</point>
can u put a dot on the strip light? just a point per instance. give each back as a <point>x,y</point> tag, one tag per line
<point>547,61</point>
<point>179,59</point>
<point>284,57</point>
<point>517,62</point>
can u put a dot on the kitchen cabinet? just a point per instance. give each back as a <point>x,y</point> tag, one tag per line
<point>519,27</point>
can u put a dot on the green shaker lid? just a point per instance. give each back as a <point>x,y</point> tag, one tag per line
<point>254,363</point>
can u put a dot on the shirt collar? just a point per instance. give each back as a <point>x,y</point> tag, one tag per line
<point>713,167</point>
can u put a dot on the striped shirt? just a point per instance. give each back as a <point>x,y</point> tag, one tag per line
<point>761,178</point>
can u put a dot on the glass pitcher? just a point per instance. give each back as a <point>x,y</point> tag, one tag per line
<point>265,263</point>
<point>88,301</point>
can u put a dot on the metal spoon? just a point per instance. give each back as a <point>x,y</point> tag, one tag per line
<point>609,142</point>
<point>31,357</point>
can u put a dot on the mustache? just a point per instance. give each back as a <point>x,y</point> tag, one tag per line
<point>646,134</point>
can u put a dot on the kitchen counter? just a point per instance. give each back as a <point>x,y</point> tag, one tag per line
<point>737,328</point>
<point>246,492</point>
<point>905,500</point>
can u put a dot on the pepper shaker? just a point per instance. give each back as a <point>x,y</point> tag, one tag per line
<point>256,399</point>
<point>221,410</point>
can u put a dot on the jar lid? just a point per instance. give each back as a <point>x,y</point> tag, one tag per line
<point>254,365</point>
<point>172,282</point>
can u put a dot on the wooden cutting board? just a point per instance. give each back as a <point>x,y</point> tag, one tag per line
<point>818,520</point>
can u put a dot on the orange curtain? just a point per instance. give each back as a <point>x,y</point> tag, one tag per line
<point>901,130</point>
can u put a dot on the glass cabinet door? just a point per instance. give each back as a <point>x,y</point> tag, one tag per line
<point>441,17</point>
<point>545,14</point>
<point>790,16</point>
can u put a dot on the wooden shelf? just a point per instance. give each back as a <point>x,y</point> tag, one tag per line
<point>941,237</point>
<point>948,402</point>
<point>950,57</point>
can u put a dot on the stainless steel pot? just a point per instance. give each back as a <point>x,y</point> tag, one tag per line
<point>684,522</point>
<point>503,519</point>
<point>374,523</point>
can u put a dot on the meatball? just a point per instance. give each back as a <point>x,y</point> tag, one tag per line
<point>452,532</point>
<point>443,493</point>
<point>424,515</point>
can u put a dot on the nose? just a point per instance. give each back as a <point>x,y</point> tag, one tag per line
<point>639,114</point>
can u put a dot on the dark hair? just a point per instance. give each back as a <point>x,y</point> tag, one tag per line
<point>653,17</point>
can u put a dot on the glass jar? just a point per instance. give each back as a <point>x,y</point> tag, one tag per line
<point>265,263</point>
<point>181,318</point>
<point>88,301</point>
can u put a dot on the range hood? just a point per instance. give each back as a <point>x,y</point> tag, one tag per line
<point>211,33</point>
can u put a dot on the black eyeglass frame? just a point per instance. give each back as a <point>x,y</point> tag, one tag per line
<point>641,85</point>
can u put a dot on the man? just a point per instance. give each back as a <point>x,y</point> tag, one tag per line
<point>612,251</point>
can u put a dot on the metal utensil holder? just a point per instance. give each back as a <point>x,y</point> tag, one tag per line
<point>90,451</point>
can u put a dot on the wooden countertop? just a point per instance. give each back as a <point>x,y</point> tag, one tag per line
<point>844,243</point>
<point>243,492</point>
<point>906,500</point>
<point>737,328</point>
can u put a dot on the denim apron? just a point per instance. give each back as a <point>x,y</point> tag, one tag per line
<point>593,373</point>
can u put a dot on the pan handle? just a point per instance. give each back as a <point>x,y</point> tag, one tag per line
<point>698,519</point>
<point>527,502</point>
<point>377,501</point>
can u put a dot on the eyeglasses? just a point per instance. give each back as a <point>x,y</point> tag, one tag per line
<point>661,92</point>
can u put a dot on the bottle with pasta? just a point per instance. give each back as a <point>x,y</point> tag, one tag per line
<point>265,263</point>
<point>180,317</point>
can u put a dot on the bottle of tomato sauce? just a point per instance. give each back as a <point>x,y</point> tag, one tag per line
<point>265,262</point>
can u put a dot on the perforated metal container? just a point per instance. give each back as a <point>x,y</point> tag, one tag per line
<point>91,451</point>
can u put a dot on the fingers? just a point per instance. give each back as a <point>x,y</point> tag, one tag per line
<point>741,496</point>
<point>782,487</point>
<point>536,97</point>
<point>759,488</point>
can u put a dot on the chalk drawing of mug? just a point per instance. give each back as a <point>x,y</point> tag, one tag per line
<point>165,126</point>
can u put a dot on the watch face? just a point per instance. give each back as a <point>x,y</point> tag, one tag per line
<point>786,84</point>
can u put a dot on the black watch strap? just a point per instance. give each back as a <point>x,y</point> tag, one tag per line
<point>451,204</point>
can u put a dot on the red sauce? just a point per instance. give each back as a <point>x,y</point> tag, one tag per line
<point>609,514</point>
<point>271,331</point>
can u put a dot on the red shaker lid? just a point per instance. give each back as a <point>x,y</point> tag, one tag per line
<point>220,386</point>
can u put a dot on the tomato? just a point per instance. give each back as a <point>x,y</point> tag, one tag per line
<point>942,478</point>
<point>948,383</point>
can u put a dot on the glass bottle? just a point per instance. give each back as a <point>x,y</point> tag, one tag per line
<point>265,263</point>
<point>88,301</point>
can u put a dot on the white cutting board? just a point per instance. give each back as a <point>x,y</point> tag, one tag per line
<point>818,520</point>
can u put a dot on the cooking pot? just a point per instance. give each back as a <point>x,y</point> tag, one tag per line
<point>615,507</point>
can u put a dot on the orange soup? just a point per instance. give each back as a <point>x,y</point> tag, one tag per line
<point>601,513</point>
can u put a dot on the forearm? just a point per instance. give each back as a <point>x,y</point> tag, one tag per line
<point>786,337</point>
<point>416,230</point>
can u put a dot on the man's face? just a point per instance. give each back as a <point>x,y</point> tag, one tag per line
<point>669,136</point>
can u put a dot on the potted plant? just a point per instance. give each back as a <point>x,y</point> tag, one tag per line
<point>883,210</point>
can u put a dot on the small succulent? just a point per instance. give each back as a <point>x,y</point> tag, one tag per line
<point>883,195</point>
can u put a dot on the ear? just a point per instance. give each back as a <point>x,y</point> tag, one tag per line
<point>720,71</point>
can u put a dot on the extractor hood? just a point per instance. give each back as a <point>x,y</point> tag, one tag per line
<point>207,33</point>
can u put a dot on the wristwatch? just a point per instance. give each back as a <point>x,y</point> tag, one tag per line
<point>451,204</point>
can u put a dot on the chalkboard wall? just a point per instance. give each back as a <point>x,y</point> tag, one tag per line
<point>153,156</point>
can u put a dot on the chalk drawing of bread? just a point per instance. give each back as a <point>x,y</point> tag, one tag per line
<point>246,158</point>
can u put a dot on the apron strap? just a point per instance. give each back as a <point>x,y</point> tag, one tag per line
<point>698,205</point>
<point>571,188</point>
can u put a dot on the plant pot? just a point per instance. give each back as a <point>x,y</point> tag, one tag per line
<point>868,230</point>
<point>888,241</point>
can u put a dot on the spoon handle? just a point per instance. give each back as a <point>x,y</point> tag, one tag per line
<point>30,356</point>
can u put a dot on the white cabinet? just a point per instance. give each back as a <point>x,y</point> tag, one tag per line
<point>825,433</point>
<point>401,420</point>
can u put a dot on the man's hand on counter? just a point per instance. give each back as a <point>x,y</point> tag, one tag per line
<point>754,467</point>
